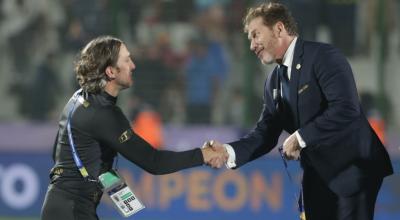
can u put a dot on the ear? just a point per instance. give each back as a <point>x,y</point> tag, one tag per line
<point>279,27</point>
<point>110,72</point>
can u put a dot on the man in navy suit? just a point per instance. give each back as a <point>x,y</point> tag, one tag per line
<point>312,95</point>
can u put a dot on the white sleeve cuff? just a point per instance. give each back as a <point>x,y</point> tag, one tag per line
<point>231,162</point>
<point>300,140</point>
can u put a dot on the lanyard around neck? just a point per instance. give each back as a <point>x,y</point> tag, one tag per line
<point>75,155</point>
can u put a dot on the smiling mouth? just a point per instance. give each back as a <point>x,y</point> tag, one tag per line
<point>259,53</point>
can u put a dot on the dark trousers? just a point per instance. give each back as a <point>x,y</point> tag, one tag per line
<point>321,203</point>
<point>63,205</point>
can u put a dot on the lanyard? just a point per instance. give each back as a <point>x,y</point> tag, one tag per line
<point>299,198</point>
<point>75,155</point>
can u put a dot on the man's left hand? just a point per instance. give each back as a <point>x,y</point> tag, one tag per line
<point>291,148</point>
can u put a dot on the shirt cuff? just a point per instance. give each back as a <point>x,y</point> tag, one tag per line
<point>300,140</point>
<point>231,162</point>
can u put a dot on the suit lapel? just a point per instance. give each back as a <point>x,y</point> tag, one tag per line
<point>294,79</point>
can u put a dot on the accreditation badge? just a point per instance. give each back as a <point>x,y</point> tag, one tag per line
<point>119,192</point>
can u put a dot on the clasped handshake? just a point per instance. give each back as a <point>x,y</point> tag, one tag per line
<point>214,154</point>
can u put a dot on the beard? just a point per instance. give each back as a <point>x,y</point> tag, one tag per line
<point>269,56</point>
<point>124,82</point>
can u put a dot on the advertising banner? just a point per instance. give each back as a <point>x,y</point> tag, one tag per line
<point>258,190</point>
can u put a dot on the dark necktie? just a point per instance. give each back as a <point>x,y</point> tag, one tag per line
<point>288,118</point>
<point>285,84</point>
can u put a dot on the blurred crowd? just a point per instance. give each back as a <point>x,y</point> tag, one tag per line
<point>192,58</point>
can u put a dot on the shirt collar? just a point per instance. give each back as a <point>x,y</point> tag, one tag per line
<point>288,57</point>
<point>108,97</point>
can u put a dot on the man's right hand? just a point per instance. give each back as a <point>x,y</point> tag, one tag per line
<point>214,154</point>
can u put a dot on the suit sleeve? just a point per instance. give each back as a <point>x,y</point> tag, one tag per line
<point>339,92</point>
<point>263,138</point>
<point>112,124</point>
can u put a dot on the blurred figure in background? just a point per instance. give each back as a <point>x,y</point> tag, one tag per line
<point>205,73</point>
<point>45,90</point>
<point>340,17</point>
<point>153,76</point>
<point>236,111</point>
<point>38,94</point>
<point>146,122</point>
<point>374,116</point>
<point>308,14</point>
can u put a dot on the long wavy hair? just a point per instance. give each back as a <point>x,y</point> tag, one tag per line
<point>93,60</point>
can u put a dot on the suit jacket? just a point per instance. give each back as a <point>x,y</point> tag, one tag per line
<point>341,145</point>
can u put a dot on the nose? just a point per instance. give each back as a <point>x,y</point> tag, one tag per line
<point>133,66</point>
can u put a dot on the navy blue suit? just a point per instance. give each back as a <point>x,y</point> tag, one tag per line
<point>342,149</point>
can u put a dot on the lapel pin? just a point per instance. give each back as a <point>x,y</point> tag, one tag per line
<point>298,66</point>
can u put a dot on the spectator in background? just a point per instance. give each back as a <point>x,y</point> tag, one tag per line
<point>211,19</point>
<point>28,33</point>
<point>86,19</point>
<point>374,116</point>
<point>211,22</point>
<point>205,72</point>
<point>376,19</point>
<point>75,35</point>
<point>150,23</point>
<point>398,21</point>
<point>173,104</point>
<point>146,122</point>
<point>236,111</point>
<point>308,15</point>
<point>19,26</point>
<point>340,17</point>
<point>44,90</point>
<point>153,77</point>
